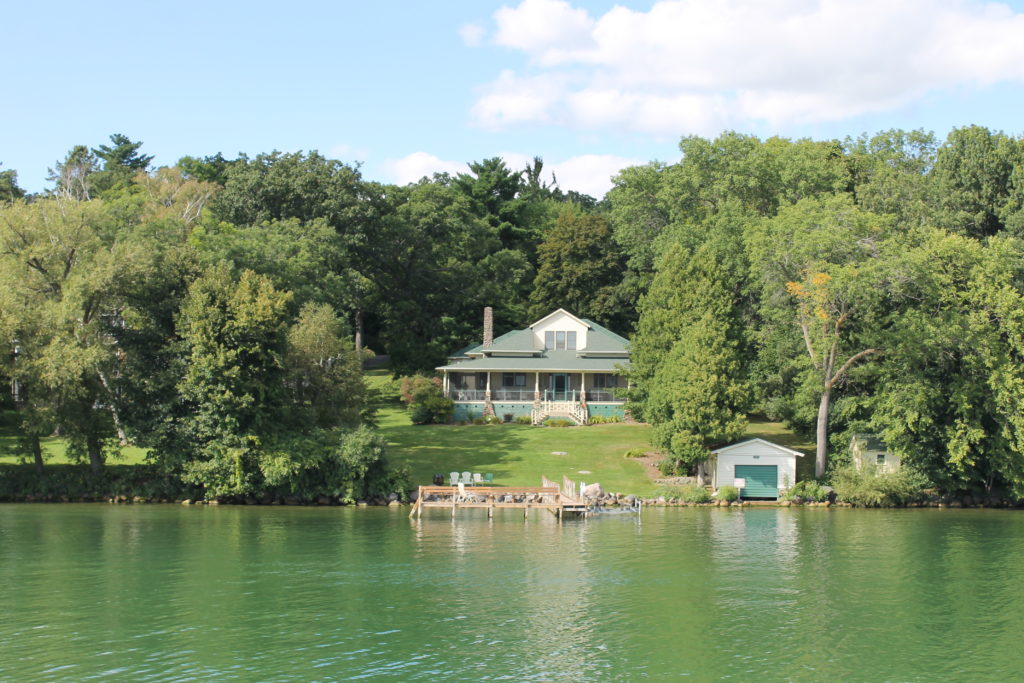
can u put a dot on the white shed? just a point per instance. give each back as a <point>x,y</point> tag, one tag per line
<point>758,468</point>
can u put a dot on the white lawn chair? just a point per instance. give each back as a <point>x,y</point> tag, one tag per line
<point>461,496</point>
<point>454,478</point>
<point>467,478</point>
<point>478,479</point>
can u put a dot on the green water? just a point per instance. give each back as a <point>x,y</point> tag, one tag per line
<point>173,593</point>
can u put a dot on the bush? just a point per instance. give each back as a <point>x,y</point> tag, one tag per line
<point>432,410</point>
<point>559,423</point>
<point>870,488</point>
<point>492,420</point>
<point>729,493</point>
<point>694,493</point>
<point>479,421</point>
<point>524,420</point>
<point>600,420</point>
<point>636,453</point>
<point>807,490</point>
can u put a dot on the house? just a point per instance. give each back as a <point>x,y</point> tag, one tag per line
<point>869,450</point>
<point>758,468</point>
<point>560,366</point>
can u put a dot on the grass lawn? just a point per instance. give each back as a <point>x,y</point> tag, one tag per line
<point>518,455</point>
<point>55,448</point>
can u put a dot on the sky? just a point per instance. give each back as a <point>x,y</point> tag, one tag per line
<point>406,89</point>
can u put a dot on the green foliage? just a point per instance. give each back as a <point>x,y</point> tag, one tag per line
<point>578,269</point>
<point>558,423</point>
<point>694,494</point>
<point>603,419</point>
<point>426,401</point>
<point>868,487</point>
<point>523,420</point>
<point>635,453</point>
<point>77,483</point>
<point>806,490</point>
<point>729,493</point>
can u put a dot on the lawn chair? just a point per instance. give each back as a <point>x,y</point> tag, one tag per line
<point>454,478</point>
<point>461,496</point>
<point>489,478</point>
<point>467,478</point>
<point>478,479</point>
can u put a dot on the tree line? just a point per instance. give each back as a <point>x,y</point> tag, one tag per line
<point>216,311</point>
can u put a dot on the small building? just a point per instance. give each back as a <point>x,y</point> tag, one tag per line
<point>868,450</point>
<point>560,366</point>
<point>758,468</point>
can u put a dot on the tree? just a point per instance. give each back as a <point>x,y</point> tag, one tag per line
<point>58,273</point>
<point>686,357</point>
<point>9,190</point>
<point>233,334</point>
<point>73,177</point>
<point>818,266</point>
<point>579,269</point>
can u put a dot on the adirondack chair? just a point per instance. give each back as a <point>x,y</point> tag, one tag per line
<point>467,478</point>
<point>454,478</point>
<point>478,479</point>
<point>489,478</point>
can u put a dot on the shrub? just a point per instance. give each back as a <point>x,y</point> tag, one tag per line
<point>524,420</point>
<point>694,493</point>
<point>636,453</point>
<point>479,421</point>
<point>808,489</point>
<point>414,389</point>
<point>869,488</point>
<point>492,420</point>
<point>432,409</point>
<point>559,423</point>
<point>600,420</point>
<point>729,493</point>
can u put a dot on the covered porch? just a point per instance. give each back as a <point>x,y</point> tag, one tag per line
<point>528,387</point>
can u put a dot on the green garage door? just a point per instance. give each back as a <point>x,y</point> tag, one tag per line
<point>762,481</point>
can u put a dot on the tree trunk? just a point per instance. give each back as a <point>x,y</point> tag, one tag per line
<point>92,444</point>
<point>821,457</point>
<point>359,334</point>
<point>37,452</point>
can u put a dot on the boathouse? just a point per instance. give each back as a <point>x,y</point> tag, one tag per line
<point>758,468</point>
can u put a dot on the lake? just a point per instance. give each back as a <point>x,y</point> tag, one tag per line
<point>167,592</point>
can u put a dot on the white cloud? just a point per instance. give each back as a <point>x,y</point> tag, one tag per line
<point>589,173</point>
<point>346,152</point>
<point>413,167</point>
<point>472,34</point>
<point>699,66</point>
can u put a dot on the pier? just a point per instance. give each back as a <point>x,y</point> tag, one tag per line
<point>559,500</point>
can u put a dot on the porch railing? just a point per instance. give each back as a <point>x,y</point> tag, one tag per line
<point>598,396</point>
<point>512,395</point>
<point>466,394</point>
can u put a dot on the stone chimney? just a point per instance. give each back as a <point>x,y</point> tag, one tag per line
<point>488,326</point>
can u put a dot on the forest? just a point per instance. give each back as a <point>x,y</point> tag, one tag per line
<point>217,312</point>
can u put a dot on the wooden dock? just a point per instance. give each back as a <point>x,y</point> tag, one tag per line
<point>491,498</point>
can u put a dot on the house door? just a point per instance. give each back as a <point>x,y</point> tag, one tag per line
<point>560,386</point>
<point>762,481</point>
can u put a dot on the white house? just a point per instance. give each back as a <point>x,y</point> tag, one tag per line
<point>560,366</point>
<point>758,468</point>
<point>868,450</point>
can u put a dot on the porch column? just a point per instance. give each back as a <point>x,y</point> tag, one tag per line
<point>536,387</point>
<point>583,388</point>
<point>444,384</point>
<point>487,396</point>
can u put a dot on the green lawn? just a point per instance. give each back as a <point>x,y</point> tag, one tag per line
<point>55,449</point>
<point>518,455</point>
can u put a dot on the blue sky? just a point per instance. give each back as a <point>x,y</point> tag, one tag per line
<point>407,88</point>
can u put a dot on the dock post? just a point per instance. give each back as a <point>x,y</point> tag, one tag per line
<point>453,509</point>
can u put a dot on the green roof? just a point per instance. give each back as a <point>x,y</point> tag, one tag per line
<point>547,361</point>
<point>599,340</point>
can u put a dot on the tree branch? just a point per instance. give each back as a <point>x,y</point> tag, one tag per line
<point>853,359</point>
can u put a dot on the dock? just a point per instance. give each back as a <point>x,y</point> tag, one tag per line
<point>559,500</point>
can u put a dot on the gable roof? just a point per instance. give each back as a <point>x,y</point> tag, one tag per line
<point>581,321</point>
<point>783,449</point>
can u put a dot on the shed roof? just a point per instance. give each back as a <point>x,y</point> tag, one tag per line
<point>775,446</point>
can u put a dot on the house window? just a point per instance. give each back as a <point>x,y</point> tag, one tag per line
<point>605,381</point>
<point>481,380</point>
<point>560,340</point>
<point>510,380</point>
<point>880,459</point>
